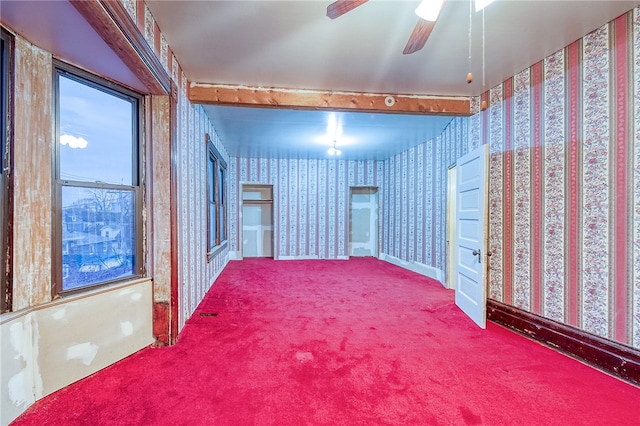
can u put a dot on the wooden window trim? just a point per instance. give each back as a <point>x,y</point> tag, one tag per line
<point>63,69</point>
<point>214,247</point>
<point>6,164</point>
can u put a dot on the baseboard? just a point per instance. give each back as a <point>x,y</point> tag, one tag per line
<point>419,268</point>
<point>311,257</point>
<point>236,255</point>
<point>611,357</point>
<point>161,324</point>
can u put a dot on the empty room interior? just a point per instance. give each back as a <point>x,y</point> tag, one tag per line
<point>320,212</point>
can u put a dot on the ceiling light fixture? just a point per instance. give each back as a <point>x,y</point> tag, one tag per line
<point>333,150</point>
<point>429,9</point>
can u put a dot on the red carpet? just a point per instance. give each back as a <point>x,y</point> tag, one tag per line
<point>357,342</point>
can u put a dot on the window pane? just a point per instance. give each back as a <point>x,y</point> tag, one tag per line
<point>98,235</point>
<point>221,203</point>
<point>96,135</point>
<point>212,187</point>
<point>221,185</point>
<point>222,236</point>
<point>212,225</point>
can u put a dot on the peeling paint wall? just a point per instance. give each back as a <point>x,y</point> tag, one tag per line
<point>32,175</point>
<point>159,189</point>
<point>48,344</point>
<point>195,272</point>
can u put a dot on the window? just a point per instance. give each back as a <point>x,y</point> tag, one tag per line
<point>6,90</point>
<point>217,170</point>
<point>97,186</point>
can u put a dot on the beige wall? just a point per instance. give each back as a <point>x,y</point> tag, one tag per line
<point>47,344</point>
<point>57,343</point>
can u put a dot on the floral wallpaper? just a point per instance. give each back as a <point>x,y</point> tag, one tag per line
<point>564,185</point>
<point>564,195</point>
<point>414,212</point>
<point>634,252</point>
<point>564,138</point>
<point>196,273</point>
<point>311,199</point>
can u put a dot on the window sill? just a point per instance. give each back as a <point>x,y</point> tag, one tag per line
<point>74,297</point>
<point>216,250</point>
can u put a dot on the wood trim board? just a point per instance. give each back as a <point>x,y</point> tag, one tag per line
<point>274,97</point>
<point>611,357</point>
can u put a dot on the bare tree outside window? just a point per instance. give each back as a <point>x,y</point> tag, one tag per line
<point>97,184</point>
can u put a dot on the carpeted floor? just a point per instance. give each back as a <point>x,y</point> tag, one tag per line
<point>358,342</point>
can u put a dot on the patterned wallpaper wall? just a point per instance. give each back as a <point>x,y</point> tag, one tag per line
<point>564,197</point>
<point>195,273</point>
<point>311,199</point>
<point>564,137</point>
<point>414,213</point>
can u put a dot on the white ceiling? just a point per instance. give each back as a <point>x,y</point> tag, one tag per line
<point>58,27</point>
<point>276,133</point>
<point>292,44</point>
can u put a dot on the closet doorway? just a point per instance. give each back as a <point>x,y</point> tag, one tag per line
<point>257,220</point>
<point>363,221</point>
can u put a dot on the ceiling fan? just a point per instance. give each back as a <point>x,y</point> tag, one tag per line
<point>427,12</point>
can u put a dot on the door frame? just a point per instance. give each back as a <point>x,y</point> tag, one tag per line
<point>378,239</point>
<point>242,202</point>
<point>452,186</point>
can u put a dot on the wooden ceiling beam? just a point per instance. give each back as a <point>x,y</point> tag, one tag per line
<point>112,22</point>
<point>270,97</point>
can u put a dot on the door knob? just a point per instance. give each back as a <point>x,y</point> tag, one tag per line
<point>477,253</point>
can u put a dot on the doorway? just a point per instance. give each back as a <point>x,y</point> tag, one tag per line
<point>257,220</point>
<point>363,221</point>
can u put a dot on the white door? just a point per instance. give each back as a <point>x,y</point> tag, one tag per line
<point>471,245</point>
<point>363,222</point>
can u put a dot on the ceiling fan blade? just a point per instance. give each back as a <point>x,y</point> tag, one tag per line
<point>419,36</point>
<point>340,7</point>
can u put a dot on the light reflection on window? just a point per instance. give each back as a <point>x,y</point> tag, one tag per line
<point>97,178</point>
<point>98,238</point>
<point>96,135</point>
